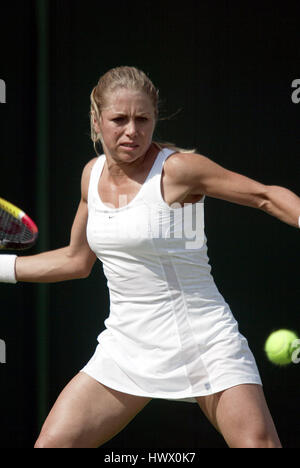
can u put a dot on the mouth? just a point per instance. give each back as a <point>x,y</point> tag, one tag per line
<point>129,146</point>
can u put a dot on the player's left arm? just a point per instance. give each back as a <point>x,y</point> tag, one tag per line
<point>200,175</point>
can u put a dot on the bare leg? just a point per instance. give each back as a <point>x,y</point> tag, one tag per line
<point>241,415</point>
<point>87,414</point>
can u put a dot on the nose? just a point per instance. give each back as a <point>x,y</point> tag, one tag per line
<point>131,128</point>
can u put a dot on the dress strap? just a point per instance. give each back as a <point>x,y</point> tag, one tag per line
<point>152,188</point>
<point>94,178</point>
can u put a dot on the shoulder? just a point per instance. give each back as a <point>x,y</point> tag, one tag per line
<point>85,178</point>
<point>182,166</point>
<point>88,167</point>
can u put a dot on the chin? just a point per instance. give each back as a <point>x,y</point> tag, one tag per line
<point>132,154</point>
<point>127,155</point>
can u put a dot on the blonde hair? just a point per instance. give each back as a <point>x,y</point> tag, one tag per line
<point>128,78</point>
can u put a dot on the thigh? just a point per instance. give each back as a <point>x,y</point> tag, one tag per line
<point>242,416</point>
<point>87,414</point>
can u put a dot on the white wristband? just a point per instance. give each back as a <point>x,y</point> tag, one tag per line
<point>7,269</point>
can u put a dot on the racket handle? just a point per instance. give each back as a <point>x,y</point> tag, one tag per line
<point>7,269</point>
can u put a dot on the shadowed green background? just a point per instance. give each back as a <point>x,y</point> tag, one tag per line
<point>229,69</point>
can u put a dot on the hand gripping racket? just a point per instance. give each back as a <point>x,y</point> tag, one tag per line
<point>17,230</point>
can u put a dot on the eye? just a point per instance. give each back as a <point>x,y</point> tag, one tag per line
<point>118,119</point>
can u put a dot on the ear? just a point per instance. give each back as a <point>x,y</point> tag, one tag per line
<point>95,123</point>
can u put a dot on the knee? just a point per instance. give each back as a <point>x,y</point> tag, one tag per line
<point>262,444</point>
<point>46,440</point>
<point>261,441</point>
<point>41,443</point>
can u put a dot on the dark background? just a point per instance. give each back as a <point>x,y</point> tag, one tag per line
<point>228,66</point>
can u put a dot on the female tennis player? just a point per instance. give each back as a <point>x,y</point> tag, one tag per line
<point>170,334</point>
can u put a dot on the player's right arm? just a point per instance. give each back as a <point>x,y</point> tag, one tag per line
<point>72,262</point>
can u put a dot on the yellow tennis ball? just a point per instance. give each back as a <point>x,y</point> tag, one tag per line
<point>279,346</point>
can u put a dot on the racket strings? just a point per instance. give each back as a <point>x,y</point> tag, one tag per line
<point>12,229</point>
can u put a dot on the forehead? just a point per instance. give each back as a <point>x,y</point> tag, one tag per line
<point>123,99</point>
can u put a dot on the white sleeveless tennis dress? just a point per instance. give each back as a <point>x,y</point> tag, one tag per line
<point>169,333</point>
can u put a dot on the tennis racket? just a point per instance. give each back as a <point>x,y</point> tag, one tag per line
<point>17,230</point>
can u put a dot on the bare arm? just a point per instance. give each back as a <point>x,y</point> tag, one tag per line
<point>71,262</point>
<point>199,175</point>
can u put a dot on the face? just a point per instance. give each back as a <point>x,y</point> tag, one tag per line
<point>126,125</point>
